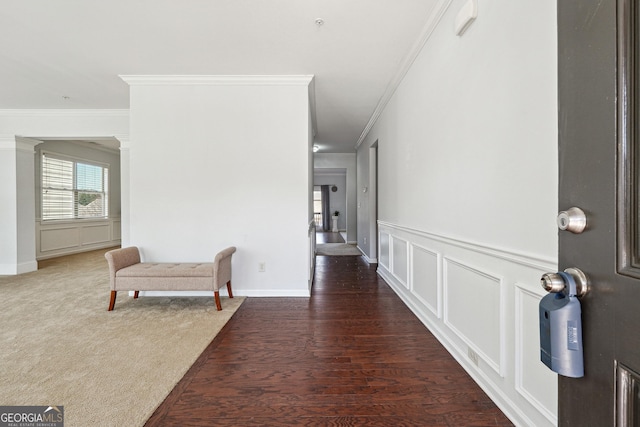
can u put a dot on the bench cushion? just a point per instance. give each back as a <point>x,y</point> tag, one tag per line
<point>149,269</point>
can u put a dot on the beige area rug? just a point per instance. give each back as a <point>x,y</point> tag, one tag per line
<point>60,346</point>
<point>337,249</point>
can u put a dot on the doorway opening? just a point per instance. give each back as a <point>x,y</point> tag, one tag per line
<point>373,201</point>
<point>78,195</point>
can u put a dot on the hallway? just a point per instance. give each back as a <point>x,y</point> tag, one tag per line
<point>328,237</point>
<point>351,355</point>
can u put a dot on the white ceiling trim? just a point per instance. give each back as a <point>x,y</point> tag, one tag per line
<point>96,145</point>
<point>18,143</point>
<point>7,142</point>
<point>64,113</point>
<point>434,19</point>
<point>143,80</point>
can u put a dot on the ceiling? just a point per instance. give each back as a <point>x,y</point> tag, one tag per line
<point>68,54</point>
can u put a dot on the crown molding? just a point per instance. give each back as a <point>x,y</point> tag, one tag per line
<point>64,113</point>
<point>18,143</point>
<point>434,19</point>
<point>7,142</point>
<point>95,143</point>
<point>221,80</point>
<point>95,146</point>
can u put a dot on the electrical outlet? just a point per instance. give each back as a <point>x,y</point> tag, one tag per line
<point>365,240</point>
<point>472,355</point>
<point>262,266</point>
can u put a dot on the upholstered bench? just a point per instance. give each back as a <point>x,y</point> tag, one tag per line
<point>127,273</point>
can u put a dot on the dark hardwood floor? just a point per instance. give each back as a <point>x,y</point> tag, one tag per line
<point>351,355</point>
<point>328,237</point>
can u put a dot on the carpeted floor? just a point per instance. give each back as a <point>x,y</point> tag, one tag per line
<point>337,249</point>
<point>61,347</point>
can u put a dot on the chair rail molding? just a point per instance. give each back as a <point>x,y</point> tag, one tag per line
<point>524,259</point>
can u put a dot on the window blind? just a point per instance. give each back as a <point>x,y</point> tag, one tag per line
<point>73,188</point>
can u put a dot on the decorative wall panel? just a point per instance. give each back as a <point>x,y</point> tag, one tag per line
<point>385,256</point>
<point>473,307</point>
<point>532,376</point>
<point>481,303</point>
<point>59,238</point>
<point>400,260</point>
<point>425,278</point>
<point>95,234</point>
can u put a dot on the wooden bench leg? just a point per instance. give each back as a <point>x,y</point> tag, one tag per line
<point>135,294</point>
<point>112,300</point>
<point>229,289</point>
<point>216,294</point>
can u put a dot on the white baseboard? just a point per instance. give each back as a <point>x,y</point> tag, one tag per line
<point>15,269</point>
<point>366,258</point>
<point>286,293</point>
<point>27,267</point>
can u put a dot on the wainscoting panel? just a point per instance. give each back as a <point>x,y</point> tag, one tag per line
<point>532,376</point>
<point>400,259</point>
<point>68,237</point>
<point>385,256</point>
<point>425,278</point>
<point>473,309</point>
<point>481,303</point>
<point>100,233</point>
<point>59,238</point>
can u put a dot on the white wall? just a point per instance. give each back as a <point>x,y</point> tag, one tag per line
<point>467,155</point>
<point>25,205</point>
<point>346,162</point>
<point>9,211</point>
<point>216,162</point>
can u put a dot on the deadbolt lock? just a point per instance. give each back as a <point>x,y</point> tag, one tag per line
<point>573,220</point>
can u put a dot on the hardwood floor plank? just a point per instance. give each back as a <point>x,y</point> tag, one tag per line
<point>351,355</point>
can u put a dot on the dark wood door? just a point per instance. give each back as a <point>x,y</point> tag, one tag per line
<point>597,162</point>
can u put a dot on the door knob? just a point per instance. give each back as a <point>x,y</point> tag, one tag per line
<point>554,282</point>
